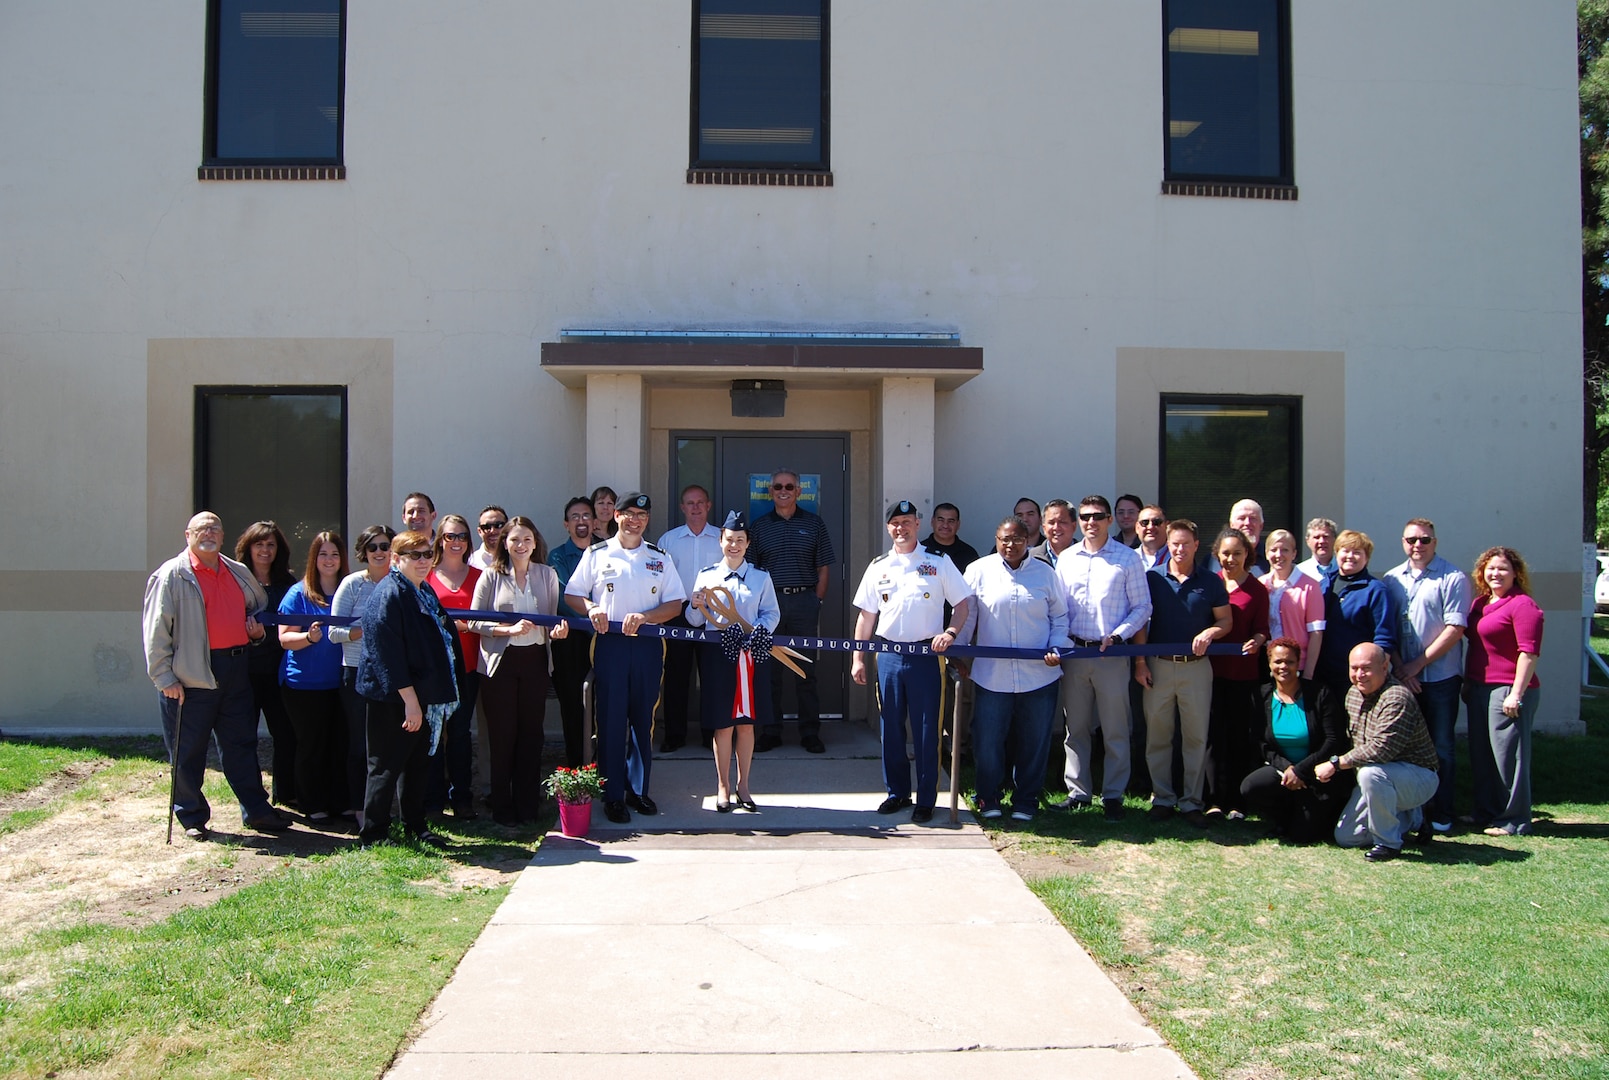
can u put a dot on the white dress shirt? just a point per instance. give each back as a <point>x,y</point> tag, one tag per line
<point>692,551</point>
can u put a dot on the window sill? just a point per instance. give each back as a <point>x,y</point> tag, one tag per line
<point>271,172</point>
<point>1217,190</point>
<point>760,177</point>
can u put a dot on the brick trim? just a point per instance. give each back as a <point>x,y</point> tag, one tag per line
<point>760,177</point>
<point>271,172</point>
<point>1275,192</point>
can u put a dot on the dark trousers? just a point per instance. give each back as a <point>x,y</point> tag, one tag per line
<point>908,686</point>
<point>356,707</point>
<point>516,699</point>
<point>453,763</point>
<point>398,762</point>
<point>801,616</point>
<point>1438,704</point>
<point>266,700</point>
<point>1229,739</point>
<point>681,657</point>
<point>626,690</point>
<point>1306,815</point>
<point>572,660</point>
<point>225,715</point>
<point>320,723</point>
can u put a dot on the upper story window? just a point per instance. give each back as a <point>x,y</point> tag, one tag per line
<point>759,87</point>
<point>1226,88</point>
<point>274,83</point>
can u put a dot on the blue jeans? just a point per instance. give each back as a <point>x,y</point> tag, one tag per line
<point>1385,804</point>
<point>1023,723</point>
<point>229,715</point>
<point>1438,701</point>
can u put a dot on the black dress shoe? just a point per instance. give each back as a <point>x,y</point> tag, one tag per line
<point>641,803</point>
<point>465,812</point>
<point>671,746</point>
<point>748,804</point>
<point>616,812</point>
<point>196,832</point>
<point>766,743</point>
<point>922,815</point>
<point>1381,853</point>
<point>1425,836</point>
<point>271,821</point>
<point>1112,809</point>
<point>813,744</point>
<point>723,807</point>
<point>432,839</point>
<point>893,804</point>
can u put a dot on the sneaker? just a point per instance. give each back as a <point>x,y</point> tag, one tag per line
<point>1442,826</point>
<point>991,812</point>
<point>1234,815</point>
<point>1022,815</point>
<point>1071,805</point>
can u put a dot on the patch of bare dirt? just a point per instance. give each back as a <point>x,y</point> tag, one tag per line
<point>102,857</point>
<point>53,788</point>
<point>1038,862</point>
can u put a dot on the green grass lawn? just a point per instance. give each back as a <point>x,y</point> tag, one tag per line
<point>1483,958</point>
<point>320,970</point>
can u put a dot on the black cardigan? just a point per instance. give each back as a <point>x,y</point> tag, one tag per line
<point>1326,729</point>
<point>402,646</point>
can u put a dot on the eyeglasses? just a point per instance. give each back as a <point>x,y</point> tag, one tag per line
<point>462,538</point>
<point>372,547</point>
<point>1418,539</point>
<point>1092,516</point>
<point>422,553</point>
<point>206,530</point>
<point>783,487</point>
<point>490,526</point>
<point>1151,523</point>
<point>1010,541</point>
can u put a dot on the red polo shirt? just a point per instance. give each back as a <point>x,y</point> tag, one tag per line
<point>225,603</point>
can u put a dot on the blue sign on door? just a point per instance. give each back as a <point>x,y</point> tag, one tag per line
<point>760,494</point>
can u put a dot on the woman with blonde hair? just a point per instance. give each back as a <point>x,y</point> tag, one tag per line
<point>1501,690</point>
<point>1295,600</point>
<point>1357,609</point>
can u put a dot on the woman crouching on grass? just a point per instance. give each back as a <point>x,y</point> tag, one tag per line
<point>735,683</point>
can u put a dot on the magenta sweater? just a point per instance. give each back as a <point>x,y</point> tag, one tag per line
<point>1499,630</point>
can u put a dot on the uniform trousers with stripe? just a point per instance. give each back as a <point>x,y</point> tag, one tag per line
<point>627,672</point>
<point>910,686</point>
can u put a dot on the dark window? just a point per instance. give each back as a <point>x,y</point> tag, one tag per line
<point>273,452</point>
<point>274,81</point>
<point>1221,449</point>
<point>760,84</point>
<point>1226,86</point>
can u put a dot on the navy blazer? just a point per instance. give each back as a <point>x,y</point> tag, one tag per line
<point>1326,731</point>
<point>402,646</point>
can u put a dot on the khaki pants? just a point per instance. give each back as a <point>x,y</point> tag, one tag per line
<point>1187,685</point>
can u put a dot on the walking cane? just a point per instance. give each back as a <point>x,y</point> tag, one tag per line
<point>173,771</point>
<point>955,758</point>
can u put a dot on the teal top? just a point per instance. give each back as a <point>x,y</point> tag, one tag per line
<point>1290,728</point>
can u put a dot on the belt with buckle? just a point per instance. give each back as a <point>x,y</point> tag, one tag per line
<point>1085,643</point>
<point>794,590</point>
<point>238,650</point>
<point>1190,659</point>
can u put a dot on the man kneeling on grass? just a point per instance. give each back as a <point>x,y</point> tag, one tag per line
<point>1393,754</point>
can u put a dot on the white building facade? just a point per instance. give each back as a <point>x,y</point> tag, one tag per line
<point>991,252</point>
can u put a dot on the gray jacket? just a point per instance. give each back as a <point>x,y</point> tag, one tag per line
<point>175,622</point>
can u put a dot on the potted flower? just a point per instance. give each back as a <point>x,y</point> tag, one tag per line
<point>574,789</point>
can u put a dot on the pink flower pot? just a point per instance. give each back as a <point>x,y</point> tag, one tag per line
<point>575,818</point>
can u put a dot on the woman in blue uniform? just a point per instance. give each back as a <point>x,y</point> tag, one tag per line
<point>735,692</point>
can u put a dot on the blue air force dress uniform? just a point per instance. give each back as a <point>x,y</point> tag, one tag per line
<point>627,669</point>
<point>908,593</point>
<point>755,598</point>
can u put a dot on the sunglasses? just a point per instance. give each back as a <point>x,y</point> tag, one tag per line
<point>372,547</point>
<point>491,526</point>
<point>783,487</point>
<point>1418,539</point>
<point>423,553</point>
<point>1096,516</point>
<point>1151,523</point>
<point>462,538</point>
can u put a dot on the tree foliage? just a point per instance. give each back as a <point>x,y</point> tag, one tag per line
<point>1592,42</point>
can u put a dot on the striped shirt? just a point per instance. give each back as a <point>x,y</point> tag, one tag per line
<point>791,550</point>
<point>1107,593</point>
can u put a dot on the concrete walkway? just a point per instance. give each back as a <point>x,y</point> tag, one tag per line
<point>814,939</point>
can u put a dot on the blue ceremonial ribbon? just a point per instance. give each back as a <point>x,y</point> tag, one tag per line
<point>820,644</point>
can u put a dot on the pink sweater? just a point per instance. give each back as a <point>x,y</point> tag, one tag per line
<point>1301,607</point>
<point>1499,630</point>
